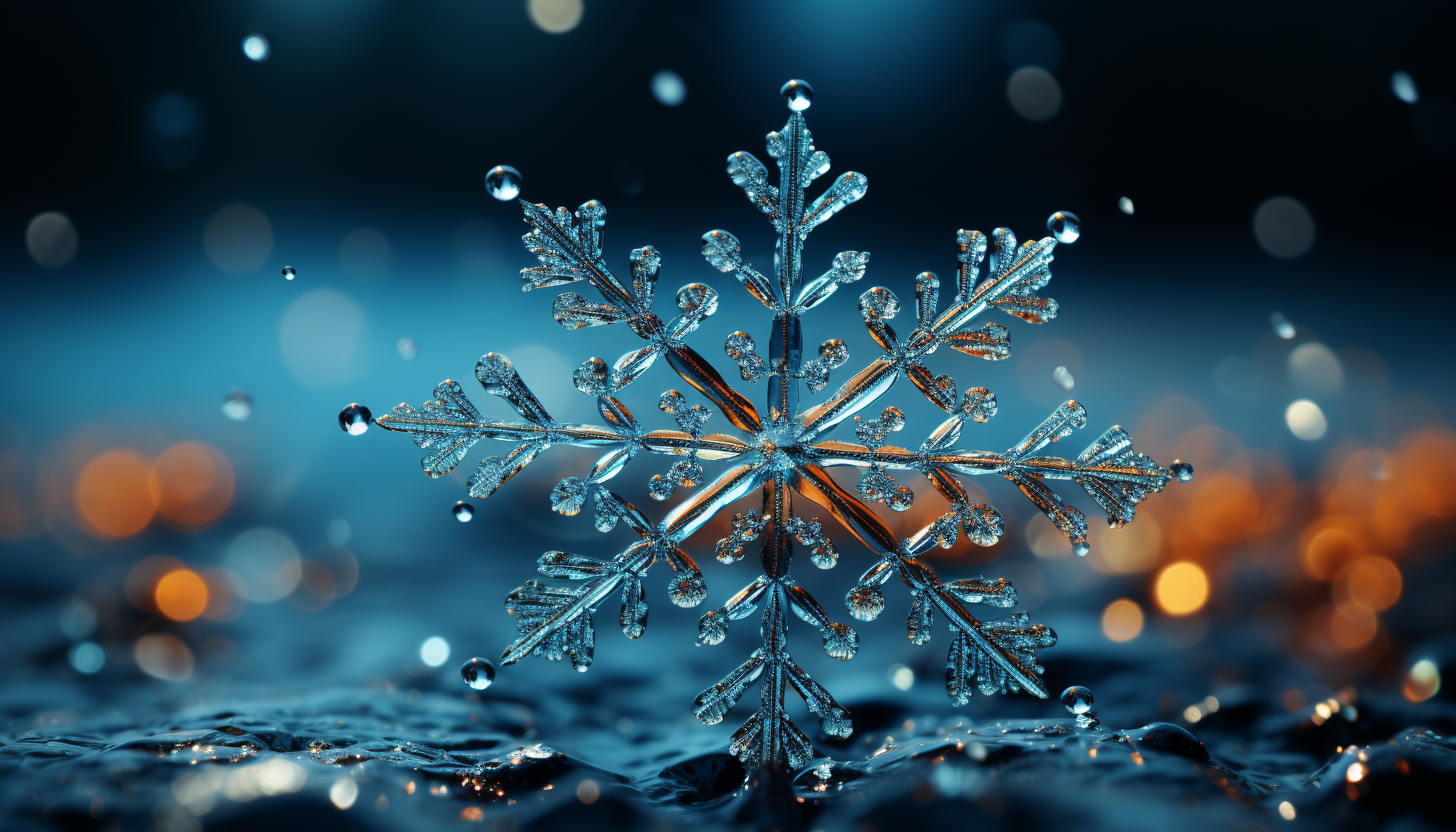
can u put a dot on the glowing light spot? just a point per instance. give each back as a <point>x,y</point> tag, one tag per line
<point>1226,510</point>
<point>1353,628</point>
<point>901,676</point>
<point>1283,227</point>
<point>1286,810</point>
<point>266,563</point>
<point>344,792</point>
<point>1373,583</point>
<point>257,48</point>
<point>1355,773</point>
<point>191,484</point>
<point>1404,87</point>
<point>435,651</point>
<point>51,239</point>
<point>1422,682</point>
<point>112,496</point>
<point>1192,713</point>
<point>163,657</point>
<point>1034,93</point>
<point>319,334</point>
<point>669,88</point>
<point>1181,588</point>
<point>1322,709</point>
<point>1314,370</point>
<point>87,657</point>
<point>555,16</point>
<point>181,595</point>
<point>1125,206</point>
<point>238,239</point>
<point>471,813</point>
<point>1122,620</point>
<point>1131,549</point>
<point>1305,420</point>
<point>1327,547</point>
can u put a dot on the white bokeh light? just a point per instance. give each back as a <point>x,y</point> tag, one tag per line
<point>435,651</point>
<point>555,16</point>
<point>266,563</point>
<point>1034,94</point>
<point>1305,420</point>
<point>51,239</point>
<point>256,47</point>
<point>669,88</point>
<point>1284,227</point>
<point>319,335</point>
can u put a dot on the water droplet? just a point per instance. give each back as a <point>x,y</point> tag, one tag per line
<point>1282,327</point>
<point>798,93</point>
<point>1404,87</point>
<point>1080,548</point>
<point>1063,377</point>
<point>1182,470</point>
<point>1077,699</point>
<point>289,272</point>
<point>238,406</point>
<point>463,511</point>
<point>1125,206</point>
<point>257,48</point>
<point>1167,738</point>
<point>865,602</point>
<point>355,419</point>
<point>478,673</point>
<point>1065,226</point>
<point>408,349</point>
<point>503,182</point>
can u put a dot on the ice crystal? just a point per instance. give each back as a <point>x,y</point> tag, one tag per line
<point>784,450</point>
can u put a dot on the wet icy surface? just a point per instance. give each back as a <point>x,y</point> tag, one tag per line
<point>614,753</point>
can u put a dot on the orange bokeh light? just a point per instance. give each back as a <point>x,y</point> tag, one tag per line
<point>1353,627</point>
<point>1181,588</point>
<point>191,484</point>
<point>1122,620</point>
<point>1227,508</point>
<point>181,595</point>
<point>1329,543</point>
<point>111,494</point>
<point>1372,583</point>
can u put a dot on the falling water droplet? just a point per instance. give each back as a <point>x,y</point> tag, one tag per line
<point>478,673</point>
<point>1125,206</point>
<point>1182,470</point>
<point>1077,700</point>
<point>355,419</point>
<point>463,511</point>
<point>503,182</point>
<point>798,93</point>
<point>1282,327</point>
<point>289,272</point>
<point>1064,226</point>
<point>238,406</point>
<point>1063,377</point>
<point>1080,548</point>
<point>407,348</point>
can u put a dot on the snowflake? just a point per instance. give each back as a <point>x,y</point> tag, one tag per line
<point>784,450</point>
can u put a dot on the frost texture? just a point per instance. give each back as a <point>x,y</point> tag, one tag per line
<point>784,451</point>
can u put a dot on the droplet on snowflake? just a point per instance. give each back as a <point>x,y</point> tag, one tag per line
<point>865,602</point>
<point>1282,327</point>
<point>824,556</point>
<point>1077,699</point>
<point>355,419</point>
<point>478,673</point>
<point>1404,87</point>
<point>463,511</point>
<point>687,591</point>
<point>568,496</point>
<point>712,627</point>
<point>1125,206</point>
<point>238,406</point>
<point>798,93</point>
<point>1182,470</point>
<point>901,498</point>
<point>669,88</point>
<point>659,487</point>
<point>1080,548</point>
<point>1063,377</point>
<point>840,642</point>
<point>289,272</point>
<point>407,348</point>
<point>503,182</point>
<point>1065,226</point>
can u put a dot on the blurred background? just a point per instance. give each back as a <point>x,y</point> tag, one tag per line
<point>1253,292</point>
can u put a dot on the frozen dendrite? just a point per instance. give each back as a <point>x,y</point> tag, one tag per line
<point>784,451</point>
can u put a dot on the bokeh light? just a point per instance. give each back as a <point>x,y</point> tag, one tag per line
<point>365,255</point>
<point>435,651</point>
<point>191,484</point>
<point>1372,583</point>
<point>181,595</point>
<point>164,656</point>
<point>1181,588</point>
<point>113,494</point>
<point>51,239</point>
<point>555,16</point>
<point>266,563</point>
<point>1284,227</point>
<point>1314,370</point>
<point>319,334</point>
<point>238,239</point>
<point>1034,93</point>
<point>1422,682</point>
<point>1122,620</point>
<point>87,657</point>
<point>256,48</point>
<point>669,88</point>
<point>1306,420</point>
